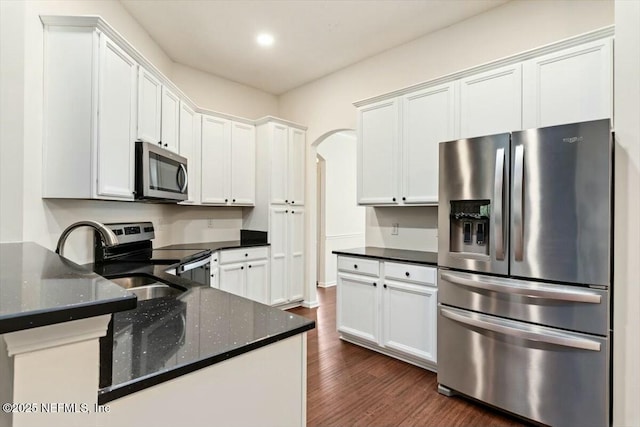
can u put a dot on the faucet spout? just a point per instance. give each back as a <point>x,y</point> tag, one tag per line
<point>108,237</point>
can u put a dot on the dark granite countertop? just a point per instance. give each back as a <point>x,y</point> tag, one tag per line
<point>214,246</point>
<point>165,338</point>
<point>400,255</point>
<point>39,287</point>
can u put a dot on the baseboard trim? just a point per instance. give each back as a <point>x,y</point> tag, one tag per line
<point>310,304</point>
<point>326,284</point>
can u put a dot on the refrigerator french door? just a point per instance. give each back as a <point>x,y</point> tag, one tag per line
<point>524,271</point>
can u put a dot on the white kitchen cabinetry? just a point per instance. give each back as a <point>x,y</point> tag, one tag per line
<point>227,162</point>
<point>398,146</point>
<point>189,149</point>
<point>389,307</point>
<point>245,272</point>
<point>378,151</point>
<point>491,102</point>
<point>280,169</point>
<point>214,279</point>
<point>428,117</point>
<point>88,150</point>
<point>568,86</point>
<point>170,120</point>
<point>149,107</point>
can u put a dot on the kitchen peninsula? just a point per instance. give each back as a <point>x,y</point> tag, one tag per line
<point>54,312</point>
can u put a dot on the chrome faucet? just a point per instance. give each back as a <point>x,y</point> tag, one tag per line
<point>108,237</point>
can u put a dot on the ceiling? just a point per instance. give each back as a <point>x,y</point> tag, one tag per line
<point>313,38</point>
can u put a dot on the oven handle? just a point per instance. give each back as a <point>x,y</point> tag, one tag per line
<point>557,338</point>
<point>531,292</point>
<point>195,264</point>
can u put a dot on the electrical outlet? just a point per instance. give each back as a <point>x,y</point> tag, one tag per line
<point>210,223</point>
<point>394,230</point>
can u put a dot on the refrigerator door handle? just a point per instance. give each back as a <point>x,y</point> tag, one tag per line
<point>521,289</point>
<point>498,195</point>
<point>518,198</point>
<point>525,333</point>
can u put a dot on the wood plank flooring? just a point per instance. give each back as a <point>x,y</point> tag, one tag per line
<point>348,385</point>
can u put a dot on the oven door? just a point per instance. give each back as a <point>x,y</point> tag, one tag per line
<point>197,271</point>
<point>160,174</point>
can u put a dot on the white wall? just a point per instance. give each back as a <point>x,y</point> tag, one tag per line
<point>217,94</point>
<point>626,322</point>
<point>30,217</point>
<point>344,219</point>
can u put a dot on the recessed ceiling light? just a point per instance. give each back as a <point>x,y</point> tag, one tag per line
<point>265,39</point>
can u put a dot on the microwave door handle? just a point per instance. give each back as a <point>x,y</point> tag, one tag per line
<point>186,178</point>
<point>498,191</point>
<point>518,199</point>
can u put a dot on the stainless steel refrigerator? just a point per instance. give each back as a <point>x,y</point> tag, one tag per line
<point>525,268</point>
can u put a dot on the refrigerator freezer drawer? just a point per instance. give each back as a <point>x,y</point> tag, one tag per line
<point>561,306</point>
<point>547,375</point>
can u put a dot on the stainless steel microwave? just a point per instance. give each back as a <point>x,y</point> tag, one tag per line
<point>161,175</point>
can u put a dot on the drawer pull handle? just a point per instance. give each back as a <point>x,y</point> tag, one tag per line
<point>242,268</point>
<point>246,254</point>
<point>384,286</point>
<point>249,265</point>
<point>355,266</point>
<point>557,338</point>
<point>407,274</point>
<point>375,284</point>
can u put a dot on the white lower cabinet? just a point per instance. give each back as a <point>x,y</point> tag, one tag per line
<point>287,255</point>
<point>389,307</point>
<point>249,278</point>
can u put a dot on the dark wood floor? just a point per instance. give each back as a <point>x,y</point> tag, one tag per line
<point>352,386</point>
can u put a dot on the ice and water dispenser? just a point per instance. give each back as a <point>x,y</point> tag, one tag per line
<point>470,226</point>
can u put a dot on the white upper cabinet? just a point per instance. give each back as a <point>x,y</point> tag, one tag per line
<point>188,148</point>
<point>491,102</point>
<point>243,164</point>
<point>287,152</point>
<point>428,118</point>
<point>279,145</point>
<point>378,148</point>
<point>215,167</point>
<point>296,169</point>
<point>170,120</point>
<point>227,162</point>
<point>149,107</point>
<point>571,85</point>
<point>116,112</point>
<point>89,110</point>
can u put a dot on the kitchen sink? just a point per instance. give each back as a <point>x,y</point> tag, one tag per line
<point>146,287</point>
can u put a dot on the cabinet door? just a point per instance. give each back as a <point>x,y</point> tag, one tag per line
<point>243,164</point>
<point>358,308</point>
<point>187,144</point>
<point>279,163</point>
<point>296,169</point>
<point>214,166</point>
<point>258,280</point>
<point>170,120</point>
<point>214,280</point>
<point>569,86</point>
<point>296,254</point>
<point>427,119</point>
<point>409,319</point>
<point>278,218</point>
<point>116,122</point>
<point>491,102</point>
<point>378,149</point>
<point>232,278</point>
<point>149,107</point>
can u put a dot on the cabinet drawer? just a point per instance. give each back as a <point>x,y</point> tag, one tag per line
<point>368,267</point>
<point>410,273</point>
<point>243,254</point>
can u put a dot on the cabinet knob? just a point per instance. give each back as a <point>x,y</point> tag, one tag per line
<point>286,201</point>
<point>249,265</point>
<point>226,200</point>
<point>355,266</point>
<point>293,212</point>
<point>166,145</point>
<point>384,286</point>
<point>159,142</point>
<point>407,274</point>
<point>375,284</point>
<point>248,255</point>
<point>287,211</point>
<point>242,268</point>
<point>234,200</point>
<point>404,198</point>
<point>215,260</point>
<point>394,199</point>
<point>293,202</point>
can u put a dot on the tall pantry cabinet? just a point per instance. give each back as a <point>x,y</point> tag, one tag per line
<point>279,208</point>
